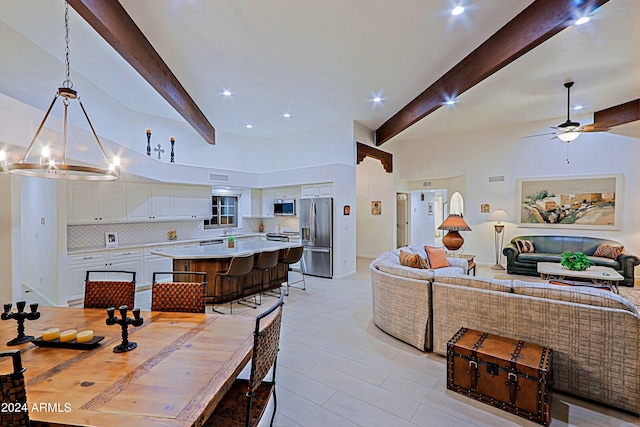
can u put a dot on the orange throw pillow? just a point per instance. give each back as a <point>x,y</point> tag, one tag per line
<point>437,257</point>
<point>413,260</point>
<point>608,251</point>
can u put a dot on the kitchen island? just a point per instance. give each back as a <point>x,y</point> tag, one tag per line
<point>212,259</point>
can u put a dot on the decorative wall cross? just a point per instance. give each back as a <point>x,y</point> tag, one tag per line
<point>159,150</point>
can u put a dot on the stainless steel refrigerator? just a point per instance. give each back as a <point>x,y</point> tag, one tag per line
<point>316,235</point>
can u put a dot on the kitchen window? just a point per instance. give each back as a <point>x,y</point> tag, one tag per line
<point>224,212</point>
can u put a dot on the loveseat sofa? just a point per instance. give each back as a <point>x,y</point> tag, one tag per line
<point>595,334</point>
<point>550,248</point>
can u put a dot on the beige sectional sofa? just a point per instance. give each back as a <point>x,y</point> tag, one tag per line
<point>595,334</point>
<point>402,296</point>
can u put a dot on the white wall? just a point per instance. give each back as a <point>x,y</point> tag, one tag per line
<point>39,226</point>
<point>6,241</point>
<point>376,233</point>
<point>422,224</point>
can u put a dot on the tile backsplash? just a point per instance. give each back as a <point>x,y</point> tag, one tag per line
<point>92,236</point>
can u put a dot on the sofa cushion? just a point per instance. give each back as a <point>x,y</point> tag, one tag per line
<point>539,257</point>
<point>608,251</point>
<point>605,262</point>
<point>525,246</point>
<point>576,294</point>
<point>407,272</point>
<point>436,257</point>
<point>408,259</point>
<point>476,282</point>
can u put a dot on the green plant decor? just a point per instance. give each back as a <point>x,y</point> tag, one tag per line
<point>576,261</point>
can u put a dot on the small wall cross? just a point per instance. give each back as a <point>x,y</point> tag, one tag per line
<point>159,150</point>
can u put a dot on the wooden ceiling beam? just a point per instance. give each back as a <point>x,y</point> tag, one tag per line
<point>114,24</point>
<point>364,150</point>
<point>540,21</point>
<point>618,115</point>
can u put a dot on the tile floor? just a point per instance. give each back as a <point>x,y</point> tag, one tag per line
<point>336,368</point>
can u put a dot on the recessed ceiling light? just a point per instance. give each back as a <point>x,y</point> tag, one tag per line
<point>377,99</point>
<point>457,10</point>
<point>248,126</point>
<point>582,20</point>
<point>226,92</point>
<point>578,107</point>
<point>286,115</point>
<point>450,102</point>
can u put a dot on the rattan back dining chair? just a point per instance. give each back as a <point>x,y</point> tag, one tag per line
<point>245,403</point>
<point>109,292</point>
<point>294,255</point>
<point>15,411</point>
<point>240,267</point>
<point>188,296</point>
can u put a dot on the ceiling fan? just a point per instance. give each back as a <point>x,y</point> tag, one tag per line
<point>569,130</point>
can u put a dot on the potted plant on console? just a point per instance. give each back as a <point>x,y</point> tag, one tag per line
<point>576,261</point>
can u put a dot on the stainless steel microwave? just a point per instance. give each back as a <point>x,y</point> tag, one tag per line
<point>283,207</point>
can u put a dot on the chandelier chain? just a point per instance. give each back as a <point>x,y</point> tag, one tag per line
<point>67,83</point>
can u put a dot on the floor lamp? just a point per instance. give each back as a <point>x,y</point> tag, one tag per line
<point>498,215</point>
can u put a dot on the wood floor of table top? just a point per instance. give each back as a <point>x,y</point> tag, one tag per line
<point>183,365</point>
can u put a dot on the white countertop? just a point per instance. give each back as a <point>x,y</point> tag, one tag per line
<point>222,251</point>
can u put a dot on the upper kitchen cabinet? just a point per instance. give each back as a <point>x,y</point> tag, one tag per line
<point>138,201</point>
<point>287,193</point>
<point>317,190</point>
<point>191,202</point>
<point>267,202</point>
<point>162,201</point>
<point>250,203</point>
<point>96,201</point>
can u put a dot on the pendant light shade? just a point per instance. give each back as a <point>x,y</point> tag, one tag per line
<point>47,165</point>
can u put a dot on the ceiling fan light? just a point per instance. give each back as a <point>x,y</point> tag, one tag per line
<point>568,136</point>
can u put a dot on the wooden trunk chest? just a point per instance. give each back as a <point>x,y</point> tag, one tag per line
<point>503,372</point>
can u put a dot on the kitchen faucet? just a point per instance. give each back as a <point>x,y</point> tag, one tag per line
<point>228,231</point>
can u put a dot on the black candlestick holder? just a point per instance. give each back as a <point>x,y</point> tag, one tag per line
<point>124,322</point>
<point>173,154</point>
<point>148,142</point>
<point>20,316</point>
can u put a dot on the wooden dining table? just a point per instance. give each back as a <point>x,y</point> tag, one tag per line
<point>183,365</point>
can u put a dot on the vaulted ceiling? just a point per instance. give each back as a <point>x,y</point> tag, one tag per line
<point>323,62</point>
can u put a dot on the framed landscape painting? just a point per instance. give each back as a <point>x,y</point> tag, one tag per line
<point>581,202</point>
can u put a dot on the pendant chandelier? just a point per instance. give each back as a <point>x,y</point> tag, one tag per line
<point>46,165</point>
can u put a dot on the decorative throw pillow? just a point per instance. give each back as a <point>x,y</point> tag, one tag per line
<point>412,260</point>
<point>436,257</point>
<point>525,246</point>
<point>608,251</point>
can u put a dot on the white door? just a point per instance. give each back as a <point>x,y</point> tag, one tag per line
<point>402,215</point>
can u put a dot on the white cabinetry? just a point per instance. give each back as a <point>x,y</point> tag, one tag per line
<point>251,203</point>
<point>162,201</point>
<point>121,260</point>
<point>286,193</point>
<point>91,201</point>
<point>155,263</point>
<point>191,202</point>
<point>267,202</point>
<point>317,190</point>
<point>138,201</point>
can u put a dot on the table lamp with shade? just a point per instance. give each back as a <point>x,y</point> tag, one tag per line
<point>498,215</point>
<point>453,224</point>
